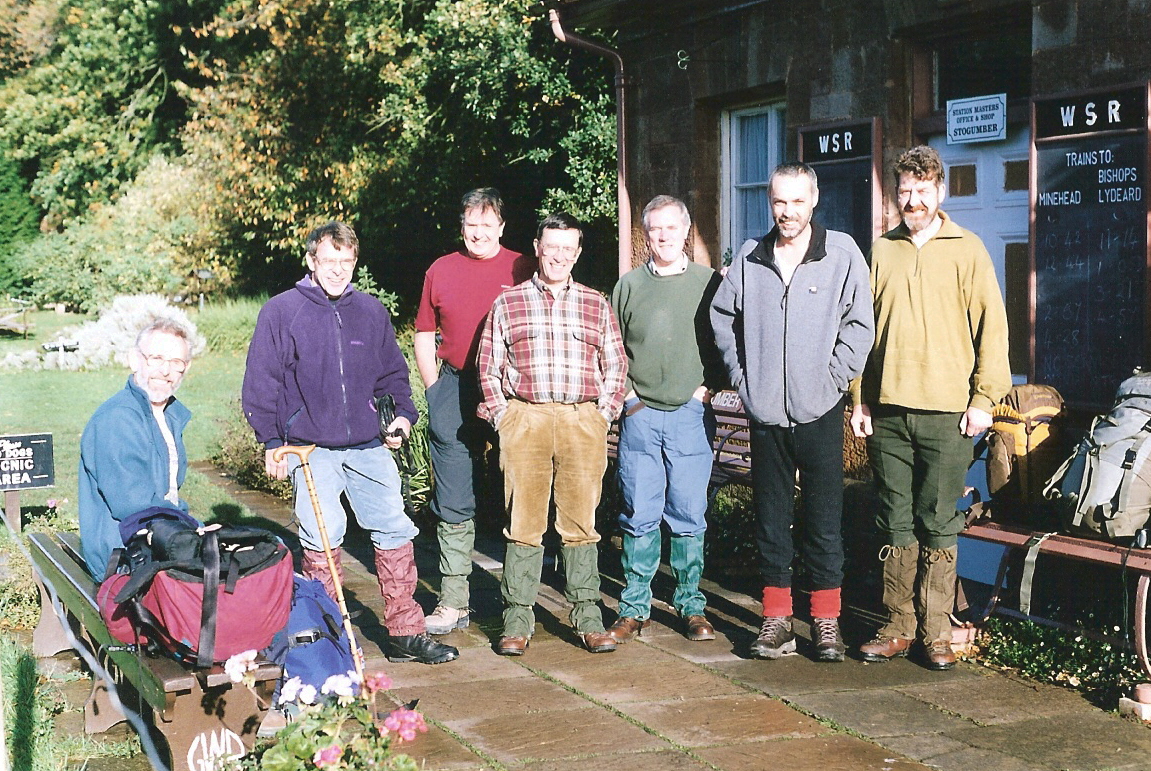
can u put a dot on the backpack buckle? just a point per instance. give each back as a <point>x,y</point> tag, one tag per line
<point>1128,459</point>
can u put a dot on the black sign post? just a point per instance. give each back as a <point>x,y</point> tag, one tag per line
<point>844,156</point>
<point>1089,242</point>
<point>25,463</point>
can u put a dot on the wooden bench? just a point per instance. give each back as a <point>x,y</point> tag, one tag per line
<point>200,713</point>
<point>15,319</point>
<point>1018,539</point>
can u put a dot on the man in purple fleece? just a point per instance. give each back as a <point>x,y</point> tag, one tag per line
<point>321,354</point>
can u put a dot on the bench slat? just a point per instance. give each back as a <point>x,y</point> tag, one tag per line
<point>155,678</point>
<point>1063,545</point>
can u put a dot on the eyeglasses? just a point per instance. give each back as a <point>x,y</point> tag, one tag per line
<point>347,264</point>
<point>157,361</point>
<point>551,250</point>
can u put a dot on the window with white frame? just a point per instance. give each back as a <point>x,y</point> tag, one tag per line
<point>753,146</point>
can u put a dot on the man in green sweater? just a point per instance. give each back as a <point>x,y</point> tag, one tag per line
<point>667,427</point>
<point>938,366</point>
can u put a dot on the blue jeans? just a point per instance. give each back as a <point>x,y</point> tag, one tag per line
<point>372,484</point>
<point>664,467</point>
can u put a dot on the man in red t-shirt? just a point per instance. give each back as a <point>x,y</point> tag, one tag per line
<point>459,289</point>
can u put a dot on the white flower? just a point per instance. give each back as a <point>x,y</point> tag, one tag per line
<point>239,665</point>
<point>340,685</point>
<point>290,689</point>
<point>308,694</point>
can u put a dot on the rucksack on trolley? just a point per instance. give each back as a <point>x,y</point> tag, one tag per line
<point>1023,450</point>
<point>1104,489</point>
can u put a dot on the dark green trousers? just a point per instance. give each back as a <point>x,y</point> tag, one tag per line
<point>920,460</point>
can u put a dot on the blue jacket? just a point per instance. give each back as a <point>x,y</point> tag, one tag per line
<point>316,365</point>
<point>124,469</point>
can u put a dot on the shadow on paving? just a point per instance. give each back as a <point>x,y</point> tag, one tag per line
<point>666,703</point>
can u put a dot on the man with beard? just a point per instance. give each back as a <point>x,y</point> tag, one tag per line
<point>132,450</point>
<point>938,367</point>
<point>794,322</point>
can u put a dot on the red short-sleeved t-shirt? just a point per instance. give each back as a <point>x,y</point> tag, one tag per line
<point>458,293</point>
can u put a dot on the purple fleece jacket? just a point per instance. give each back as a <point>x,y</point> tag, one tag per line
<point>315,366</point>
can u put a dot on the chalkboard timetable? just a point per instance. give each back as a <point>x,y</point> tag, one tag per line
<point>1090,247</point>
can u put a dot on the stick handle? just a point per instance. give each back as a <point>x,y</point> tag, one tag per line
<point>303,452</point>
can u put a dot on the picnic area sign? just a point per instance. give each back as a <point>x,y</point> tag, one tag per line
<point>26,462</point>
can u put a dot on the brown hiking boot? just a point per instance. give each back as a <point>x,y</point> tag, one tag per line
<point>938,655</point>
<point>625,629</point>
<point>884,649</point>
<point>828,640</point>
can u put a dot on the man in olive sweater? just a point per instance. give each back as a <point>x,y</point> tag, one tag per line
<point>667,427</point>
<point>938,367</point>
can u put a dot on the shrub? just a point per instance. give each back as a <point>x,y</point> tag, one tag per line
<point>17,225</point>
<point>1101,669</point>
<point>107,340</point>
<point>227,325</point>
<point>153,239</point>
<point>242,457</point>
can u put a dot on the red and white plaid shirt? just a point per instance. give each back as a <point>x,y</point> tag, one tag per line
<point>546,348</point>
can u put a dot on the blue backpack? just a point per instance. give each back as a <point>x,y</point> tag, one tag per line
<point>313,646</point>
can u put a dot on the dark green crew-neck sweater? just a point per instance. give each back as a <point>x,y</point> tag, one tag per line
<point>666,332</point>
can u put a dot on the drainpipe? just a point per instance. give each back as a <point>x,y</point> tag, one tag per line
<point>576,41</point>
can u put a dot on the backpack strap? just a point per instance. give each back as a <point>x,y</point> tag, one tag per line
<point>1028,578</point>
<point>113,563</point>
<point>211,556</point>
<point>1090,469</point>
<point>1123,493</point>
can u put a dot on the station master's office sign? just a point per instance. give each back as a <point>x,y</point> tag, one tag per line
<point>26,462</point>
<point>978,119</point>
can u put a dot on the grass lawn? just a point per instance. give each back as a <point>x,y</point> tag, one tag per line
<point>60,403</point>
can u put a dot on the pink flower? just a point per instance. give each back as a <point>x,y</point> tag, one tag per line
<point>52,503</point>
<point>377,682</point>
<point>329,756</point>
<point>405,723</point>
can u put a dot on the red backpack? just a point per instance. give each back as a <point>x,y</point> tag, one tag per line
<point>228,591</point>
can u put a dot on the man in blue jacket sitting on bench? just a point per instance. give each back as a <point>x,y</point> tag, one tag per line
<point>132,450</point>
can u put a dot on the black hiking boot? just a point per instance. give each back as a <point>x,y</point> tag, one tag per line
<point>421,648</point>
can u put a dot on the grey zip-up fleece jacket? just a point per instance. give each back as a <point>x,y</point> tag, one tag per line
<point>793,349</point>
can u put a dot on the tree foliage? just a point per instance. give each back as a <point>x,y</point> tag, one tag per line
<point>150,240</point>
<point>86,116</point>
<point>383,113</point>
<point>17,225</point>
<point>377,112</point>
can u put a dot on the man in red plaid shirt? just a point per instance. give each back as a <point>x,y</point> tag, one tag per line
<point>552,368</point>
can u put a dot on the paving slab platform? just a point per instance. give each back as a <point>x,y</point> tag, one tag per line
<point>666,704</point>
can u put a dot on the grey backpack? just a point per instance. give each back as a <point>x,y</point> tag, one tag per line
<point>1104,489</point>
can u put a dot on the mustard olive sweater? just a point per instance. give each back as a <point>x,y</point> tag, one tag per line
<point>940,324</point>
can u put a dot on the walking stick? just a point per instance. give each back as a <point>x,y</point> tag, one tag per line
<point>303,453</point>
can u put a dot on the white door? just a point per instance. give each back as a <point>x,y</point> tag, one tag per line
<point>987,194</point>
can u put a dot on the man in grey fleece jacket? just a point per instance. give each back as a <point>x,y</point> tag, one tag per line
<point>794,322</point>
